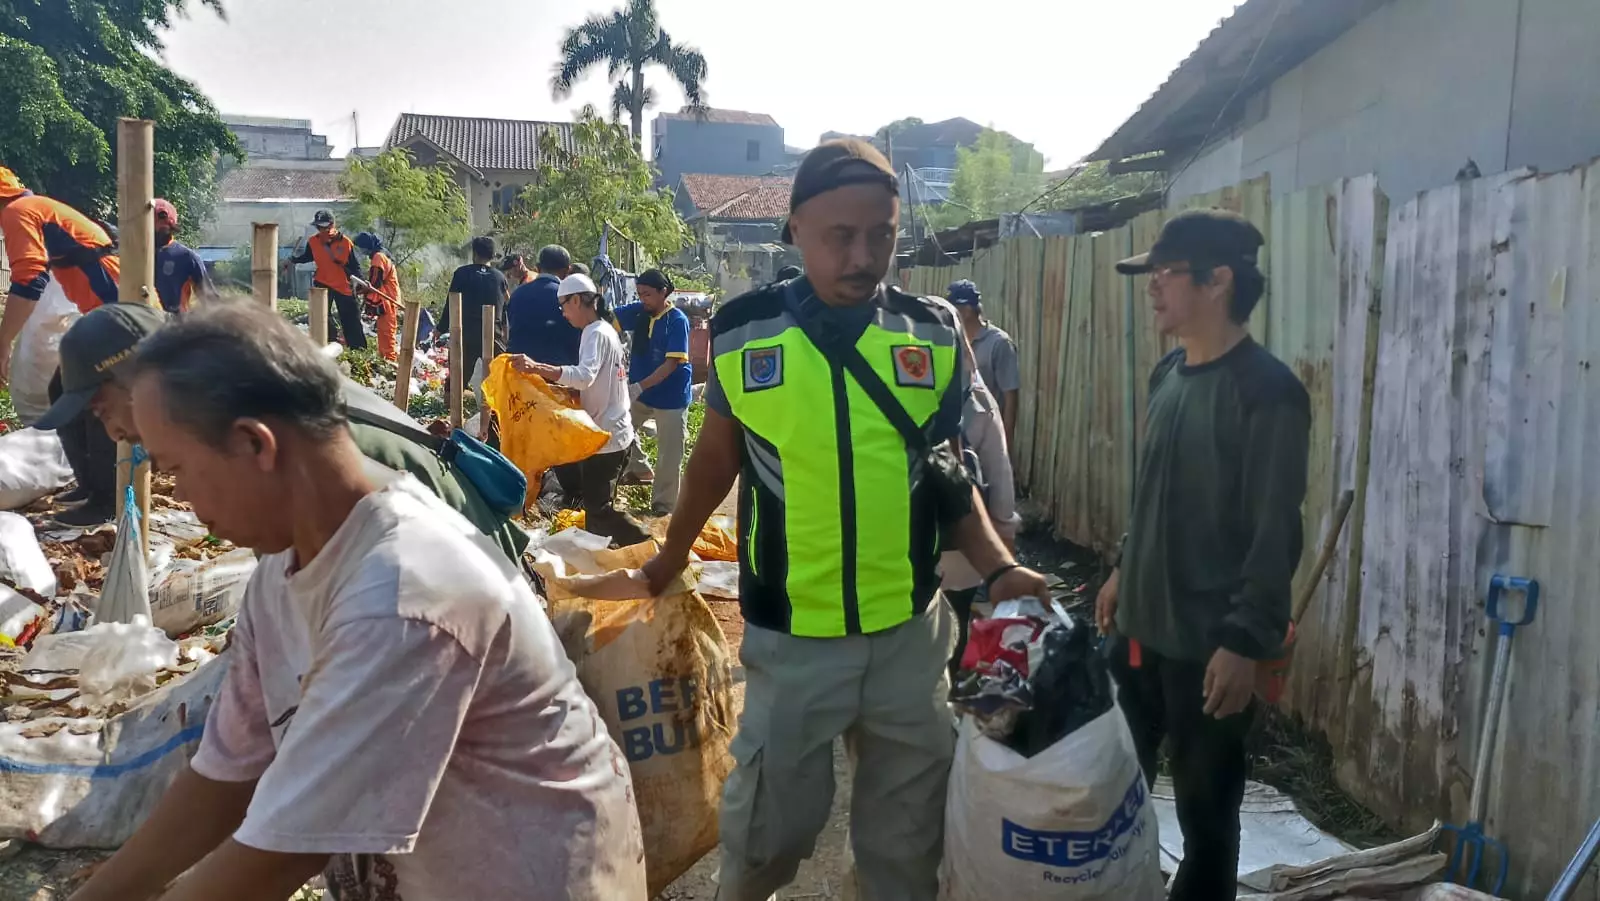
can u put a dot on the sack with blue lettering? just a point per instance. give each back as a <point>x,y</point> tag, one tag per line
<point>1071,823</point>
<point>661,672</point>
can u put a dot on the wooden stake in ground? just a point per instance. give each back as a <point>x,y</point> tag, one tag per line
<point>457,378</point>
<point>488,356</point>
<point>136,218</point>
<point>408,352</point>
<point>319,316</point>
<point>264,263</point>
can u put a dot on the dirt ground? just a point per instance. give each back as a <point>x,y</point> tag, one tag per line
<point>32,874</point>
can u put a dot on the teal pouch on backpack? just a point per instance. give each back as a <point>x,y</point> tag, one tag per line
<point>501,484</point>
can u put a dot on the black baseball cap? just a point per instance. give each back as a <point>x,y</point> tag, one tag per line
<point>94,349</point>
<point>554,258</point>
<point>836,164</point>
<point>323,217</point>
<point>1209,238</point>
<point>655,278</point>
<point>509,260</point>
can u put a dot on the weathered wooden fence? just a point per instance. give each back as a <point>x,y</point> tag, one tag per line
<point>1447,346</point>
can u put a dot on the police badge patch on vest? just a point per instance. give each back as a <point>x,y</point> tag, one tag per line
<point>913,366</point>
<point>763,368</point>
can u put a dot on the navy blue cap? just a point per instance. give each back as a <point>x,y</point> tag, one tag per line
<point>964,293</point>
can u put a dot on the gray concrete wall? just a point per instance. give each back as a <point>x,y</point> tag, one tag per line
<point>1415,90</point>
<point>232,224</point>
<point>716,148</point>
<point>280,143</point>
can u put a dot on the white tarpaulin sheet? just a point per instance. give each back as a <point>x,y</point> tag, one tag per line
<point>1283,857</point>
<point>1271,832</point>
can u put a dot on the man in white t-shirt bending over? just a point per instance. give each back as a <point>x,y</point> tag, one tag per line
<point>397,711</point>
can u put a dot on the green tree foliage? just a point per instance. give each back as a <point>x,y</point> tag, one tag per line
<point>1093,184</point>
<point>625,41</point>
<point>411,207</point>
<point>601,180</point>
<point>988,181</point>
<point>69,69</point>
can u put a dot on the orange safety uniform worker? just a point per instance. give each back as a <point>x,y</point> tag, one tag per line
<point>336,261</point>
<point>47,239</point>
<point>384,296</point>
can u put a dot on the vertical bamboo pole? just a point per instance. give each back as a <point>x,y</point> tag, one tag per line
<point>408,352</point>
<point>264,263</point>
<point>319,316</point>
<point>136,219</point>
<point>488,357</point>
<point>457,378</point>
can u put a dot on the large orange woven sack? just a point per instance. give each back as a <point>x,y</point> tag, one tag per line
<point>538,429</point>
<point>661,672</point>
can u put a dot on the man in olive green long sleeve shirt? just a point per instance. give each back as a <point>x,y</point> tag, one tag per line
<point>1201,591</point>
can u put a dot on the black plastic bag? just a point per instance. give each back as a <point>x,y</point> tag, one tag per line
<point>1071,688</point>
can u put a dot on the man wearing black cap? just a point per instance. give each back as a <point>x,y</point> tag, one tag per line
<point>99,349</point>
<point>92,353</point>
<point>659,380</point>
<point>834,401</point>
<point>335,256</point>
<point>1201,590</point>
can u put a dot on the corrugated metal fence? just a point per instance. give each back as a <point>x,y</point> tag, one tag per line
<point>1449,340</point>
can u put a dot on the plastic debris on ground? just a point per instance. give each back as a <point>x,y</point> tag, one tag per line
<point>1031,675</point>
<point>97,717</point>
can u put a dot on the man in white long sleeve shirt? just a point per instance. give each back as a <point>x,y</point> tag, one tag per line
<point>601,380</point>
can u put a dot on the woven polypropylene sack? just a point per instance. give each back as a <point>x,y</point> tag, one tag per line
<point>660,670</point>
<point>1071,823</point>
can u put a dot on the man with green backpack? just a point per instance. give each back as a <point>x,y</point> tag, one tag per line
<point>472,479</point>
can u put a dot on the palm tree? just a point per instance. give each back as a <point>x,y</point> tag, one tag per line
<point>625,41</point>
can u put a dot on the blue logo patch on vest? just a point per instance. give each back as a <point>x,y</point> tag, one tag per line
<point>763,368</point>
<point>913,366</point>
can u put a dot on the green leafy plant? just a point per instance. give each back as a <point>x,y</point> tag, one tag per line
<point>598,180</point>
<point>411,207</point>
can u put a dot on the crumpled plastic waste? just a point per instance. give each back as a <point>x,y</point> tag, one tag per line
<point>1030,680</point>
<point>112,662</point>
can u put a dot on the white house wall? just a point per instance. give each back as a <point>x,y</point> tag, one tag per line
<point>1415,90</point>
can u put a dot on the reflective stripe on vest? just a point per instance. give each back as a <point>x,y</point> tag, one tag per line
<point>835,466</point>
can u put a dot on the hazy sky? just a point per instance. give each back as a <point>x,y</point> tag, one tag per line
<point>1060,73</point>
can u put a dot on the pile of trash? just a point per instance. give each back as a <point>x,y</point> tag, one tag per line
<point>1030,676</point>
<point>108,656</point>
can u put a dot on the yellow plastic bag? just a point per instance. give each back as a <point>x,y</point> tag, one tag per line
<point>538,429</point>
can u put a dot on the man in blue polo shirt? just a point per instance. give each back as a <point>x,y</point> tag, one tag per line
<point>180,274</point>
<point>659,378</point>
<point>534,324</point>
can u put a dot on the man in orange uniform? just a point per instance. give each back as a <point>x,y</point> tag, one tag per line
<point>382,293</point>
<point>47,239</point>
<point>336,261</point>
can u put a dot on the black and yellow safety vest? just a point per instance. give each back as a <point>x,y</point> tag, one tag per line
<point>838,531</point>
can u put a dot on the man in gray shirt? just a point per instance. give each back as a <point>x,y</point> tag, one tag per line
<point>996,353</point>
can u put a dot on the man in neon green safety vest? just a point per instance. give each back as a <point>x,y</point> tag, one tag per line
<point>833,399</point>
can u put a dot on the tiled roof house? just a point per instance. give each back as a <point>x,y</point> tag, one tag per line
<point>494,159</point>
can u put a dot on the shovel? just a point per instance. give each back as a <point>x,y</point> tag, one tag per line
<point>1471,848</point>
<point>1578,867</point>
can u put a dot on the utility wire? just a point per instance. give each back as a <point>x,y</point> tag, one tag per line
<point>1244,79</point>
